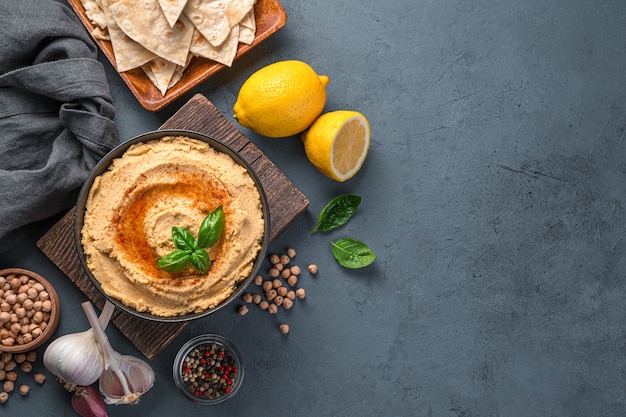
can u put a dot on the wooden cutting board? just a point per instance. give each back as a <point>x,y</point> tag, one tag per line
<point>286,203</point>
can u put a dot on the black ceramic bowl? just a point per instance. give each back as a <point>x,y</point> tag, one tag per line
<point>117,152</point>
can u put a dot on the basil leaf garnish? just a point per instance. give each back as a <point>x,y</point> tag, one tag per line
<point>174,261</point>
<point>183,239</point>
<point>351,253</point>
<point>337,212</point>
<point>191,252</point>
<point>211,228</point>
<point>201,261</point>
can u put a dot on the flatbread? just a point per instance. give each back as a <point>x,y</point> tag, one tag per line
<point>128,53</point>
<point>144,22</point>
<point>215,18</point>
<point>172,9</point>
<point>224,54</point>
<point>247,28</point>
<point>93,10</point>
<point>160,73</point>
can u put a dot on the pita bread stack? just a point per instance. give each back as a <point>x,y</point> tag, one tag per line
<point>162,36</point>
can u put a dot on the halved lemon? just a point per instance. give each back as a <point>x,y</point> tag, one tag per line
<point>337,143</point>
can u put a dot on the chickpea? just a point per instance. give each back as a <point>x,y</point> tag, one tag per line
<point>37,332</point>
<point>26,367</point>
<point>15,283</point>
<point>11,376</point>
<point>8,341</point>
<point>19,357</point>
<point>312,269</point>
<point>271,294</point>
<point>8,386</point>
<point>277,283</point>
<point>263,305</point>
<point>38,286</point>
<point>284,328</point>
<point>27,304</point>
<point>300,293</point>
<point>247,297</point>
<point>278,300</point>
<point>291,294</point>
<point>256,298</point>
<point>39,378</point>
<point>267,285</point>
<point>32,293</point>
<point>282,291</point>
<point>21,297</point>
<point>292,280</point>
<point>274,258</point>
<point>46,306</point>
<point>5,307</point>
<point>38,317</point>
<point>27,338</point>
<point>284,259</point>
<point>243,310</point>
<point>4,397</point>
<point>44,296</point>
<point>4,317</point>
<point>273,272</point>
<point>258,280</point>
<point>24,389</point>
<point>286,272</point>
<point>31,356</point>
<point>287,303</point>
<point>279,266</point>
<point>11,299</point>
<point>291,252</point>
<point>272,309</point>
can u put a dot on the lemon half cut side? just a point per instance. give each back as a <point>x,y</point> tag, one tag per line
<point>337,143</point>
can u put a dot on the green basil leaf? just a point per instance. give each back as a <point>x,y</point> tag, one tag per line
<point>201,261</point>
<point>337,212</point>
<point>174,261</point>
<point>211,228</point>
<point>183,239</point>
<point>351,253</point>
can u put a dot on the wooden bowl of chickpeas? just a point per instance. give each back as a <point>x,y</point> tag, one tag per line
<point>29,310</point>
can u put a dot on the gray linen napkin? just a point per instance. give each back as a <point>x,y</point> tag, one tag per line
<point>56,111</point>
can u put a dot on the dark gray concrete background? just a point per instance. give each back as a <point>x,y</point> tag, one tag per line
<point>493,195</point>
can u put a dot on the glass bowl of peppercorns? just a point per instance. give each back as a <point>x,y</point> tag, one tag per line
<point>208,369</point>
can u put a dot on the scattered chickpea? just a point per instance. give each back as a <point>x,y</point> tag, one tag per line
<point>274,258</point>
<point>31,356</point>
<point>270,294</point>
<point>19,357</point>
<point>291,252</point>
<point>258,280</point>
<point>291,294</point>
<point>3,374</point>
<point>24,389</point>
<point>287,303</point>
<point>292,280</point>
<point>256,298</point>
<point>9,366</point>
<point>26,367</point>
<point>278,300</point>
<point>295,270</point>
<point>263,305</point>
<point>286,273</point>
<point>11,376</point>
<point>8,386</point>
<point>312,269</point>
<point>247,297</point>
<point>267,285</point>
<point>39,378</point>
<point>6,357</point>
<point>284,328</point>
<point>279,266</point>
<point>282,291</point>
<point>273,272</point>
<point>300,293</point>
<point>4,397</point>
<point>277,283</point>
<point>272,309</point>
<point>284,259</point>
<point>243,310</point>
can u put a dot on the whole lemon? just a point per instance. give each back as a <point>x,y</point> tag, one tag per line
<point>281,99</point>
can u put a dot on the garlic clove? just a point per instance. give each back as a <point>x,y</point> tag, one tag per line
<point>87,402</point>
<point>75,359</point>
<point>133,379</point>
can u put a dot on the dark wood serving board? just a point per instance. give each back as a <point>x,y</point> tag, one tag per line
<point>286,203</point>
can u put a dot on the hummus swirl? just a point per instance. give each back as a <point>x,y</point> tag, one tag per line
<point>132,207</point>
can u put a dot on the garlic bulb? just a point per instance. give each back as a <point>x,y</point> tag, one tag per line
<point>124,378</point>
<point>76,358</point>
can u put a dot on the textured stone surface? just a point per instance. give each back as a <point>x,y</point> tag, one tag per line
<point>493,196</point>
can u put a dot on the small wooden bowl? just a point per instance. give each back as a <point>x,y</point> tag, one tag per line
<point>53,322</point>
